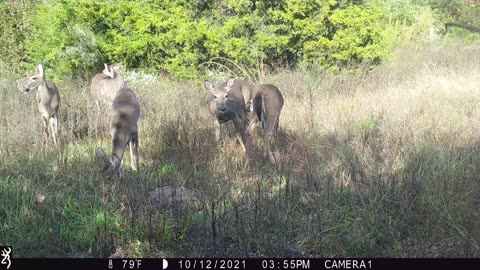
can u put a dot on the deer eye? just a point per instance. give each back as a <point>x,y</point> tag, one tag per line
<point>34,78</point>
<point>226,95</point>
<point>215,97</point>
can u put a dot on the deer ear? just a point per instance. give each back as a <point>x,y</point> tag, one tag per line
<point>209,86</point>
<point>101,154</point>
<point>231,82</point>
<point>40,70</point>
<point>107,71</point>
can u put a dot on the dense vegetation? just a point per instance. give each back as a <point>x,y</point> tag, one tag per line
<point>185,38</point>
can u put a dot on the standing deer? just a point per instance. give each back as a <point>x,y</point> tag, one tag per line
<point>48,100</point>
<point>104,87</point>
<point>124,131</point>
<point>227,103</point>
<point>267,105</point>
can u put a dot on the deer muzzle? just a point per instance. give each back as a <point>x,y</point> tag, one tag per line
<point>25,89</point>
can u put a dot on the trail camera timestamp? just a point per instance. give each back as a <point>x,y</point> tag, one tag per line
<point>286,264</point>
<point>212,264</point>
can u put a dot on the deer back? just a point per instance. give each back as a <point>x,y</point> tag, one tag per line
<point>105,87</point>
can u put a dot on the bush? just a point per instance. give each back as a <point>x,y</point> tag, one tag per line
<point>184,38</point>
<point>14,31</point>
<point>410,23</point>
<point>60,42</point>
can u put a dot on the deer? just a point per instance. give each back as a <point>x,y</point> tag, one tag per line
<point>267,105</point>
<point>103,88</point>
<point>227,103</point>
<point>105,85</point>
<point>48,101</point>
<point>124,116</point>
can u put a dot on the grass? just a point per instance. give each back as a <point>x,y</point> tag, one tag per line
<point>380,165</point>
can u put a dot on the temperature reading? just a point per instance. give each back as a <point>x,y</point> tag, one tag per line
<point>132,264</point>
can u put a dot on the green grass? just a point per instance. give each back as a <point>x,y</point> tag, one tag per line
<point>381,165</point>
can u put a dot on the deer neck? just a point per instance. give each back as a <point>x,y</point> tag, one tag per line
<point>42,89</point>
<point>119,78</point>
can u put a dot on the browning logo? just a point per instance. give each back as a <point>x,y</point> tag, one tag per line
<point>6,256</point>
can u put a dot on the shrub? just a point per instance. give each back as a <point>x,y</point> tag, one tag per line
<point>182,38</point>
<point>14,31</point>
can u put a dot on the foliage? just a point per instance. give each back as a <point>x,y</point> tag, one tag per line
<point>465,12</point>
<point>14,31</point>
<point>410,23</point>
<point>58,41</point>
<point>184,38</point>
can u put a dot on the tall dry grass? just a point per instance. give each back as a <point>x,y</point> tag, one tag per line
<point>379,164</point>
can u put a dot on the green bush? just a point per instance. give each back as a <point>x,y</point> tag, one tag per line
<point>458,11</point>
<point>183,38</point>
<point>14,28</point>
<point>62,43</point>
<point>411,23</point>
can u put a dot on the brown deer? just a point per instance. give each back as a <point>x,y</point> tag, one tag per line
<point>227,102</point>
<point>103,88</point>
<point>267,105</point>
<point>48,100</point>
<point>105,85</point>
<point>124,116</point>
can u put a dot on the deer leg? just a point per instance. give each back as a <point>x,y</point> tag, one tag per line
<point>274,134</point>
<point>266,140</point>
<point>45,131</point>
<point>54,128</point>
<point>240,127</point>
<point>134,152</point>
<point>217,129</point>
<point>241,136</point>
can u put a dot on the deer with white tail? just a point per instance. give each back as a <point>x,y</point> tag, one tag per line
<point>267,105</point>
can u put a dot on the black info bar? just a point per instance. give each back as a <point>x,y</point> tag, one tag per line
<point>238,263</point>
